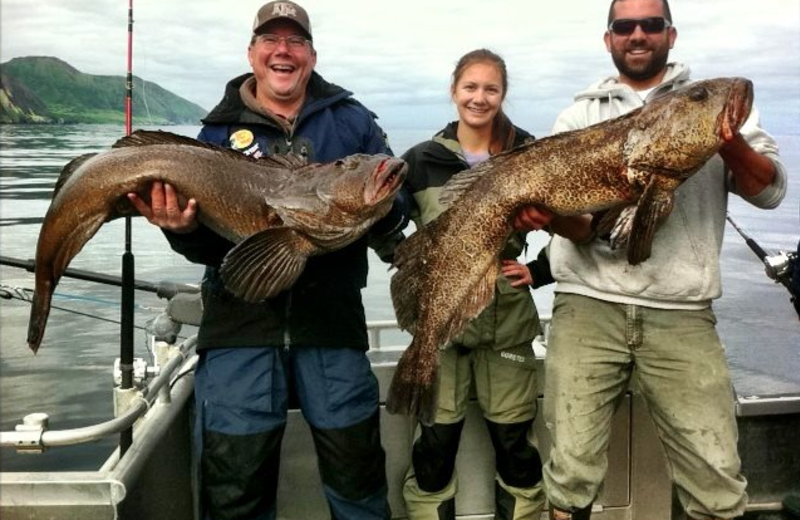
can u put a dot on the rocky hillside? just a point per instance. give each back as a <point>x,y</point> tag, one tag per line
<point>49,90</point>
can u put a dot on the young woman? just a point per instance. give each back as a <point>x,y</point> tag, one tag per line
<point>495,352</point>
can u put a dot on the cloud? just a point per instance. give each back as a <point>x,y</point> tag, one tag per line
<point>398,56</point>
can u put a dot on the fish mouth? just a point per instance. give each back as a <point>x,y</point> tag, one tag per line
<point>385,180</point>
<point>737,108</point>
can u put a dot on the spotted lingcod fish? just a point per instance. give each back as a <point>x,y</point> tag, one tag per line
<point>626,169</point>
<point>277,209</point>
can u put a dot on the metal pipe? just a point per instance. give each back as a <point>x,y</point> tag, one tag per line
<point>49,438</point>
<point>160,419</point>
<point>375,328</point>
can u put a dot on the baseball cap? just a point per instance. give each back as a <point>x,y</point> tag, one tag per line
<point>283,9</point>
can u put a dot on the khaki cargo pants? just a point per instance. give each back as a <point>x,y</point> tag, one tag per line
<point>683,376</point>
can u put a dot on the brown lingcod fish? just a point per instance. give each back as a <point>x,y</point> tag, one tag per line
<point>277,209</point>
<point>627,168</point>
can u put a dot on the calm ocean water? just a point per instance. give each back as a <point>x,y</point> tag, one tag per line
<point>71,378</point>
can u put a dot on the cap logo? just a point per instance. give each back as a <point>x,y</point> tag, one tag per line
<point>282,9</point>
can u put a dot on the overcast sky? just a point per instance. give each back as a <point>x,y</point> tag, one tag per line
<point>397,56</point>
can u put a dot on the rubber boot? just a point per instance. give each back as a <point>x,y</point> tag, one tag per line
<point>447,510</point>
<point>504,503</point>
<point>427,505</point>
<point>579,514</point>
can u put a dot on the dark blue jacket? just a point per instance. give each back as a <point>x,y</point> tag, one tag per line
<point>324,307</point>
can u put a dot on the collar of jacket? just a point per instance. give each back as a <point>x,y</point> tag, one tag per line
<point>447,139</point>
<point>444,148</point>
<point>231,110</point>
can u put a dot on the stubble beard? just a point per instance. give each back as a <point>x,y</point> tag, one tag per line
<point>641,71</point>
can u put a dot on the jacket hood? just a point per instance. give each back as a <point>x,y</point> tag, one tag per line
<point>319,94</point>
<point>610,87</point>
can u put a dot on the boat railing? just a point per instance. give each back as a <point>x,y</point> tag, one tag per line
<point>32,434</point>
<point>375,329</point>
<point>170,362</point>
<point>184,307</point>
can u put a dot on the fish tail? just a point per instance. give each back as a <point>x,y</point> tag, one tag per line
<point>414,390</point>
<point>57,246</point>
<point>40,310</point>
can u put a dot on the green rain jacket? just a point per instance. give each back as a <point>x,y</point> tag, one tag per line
<point>511,318</point>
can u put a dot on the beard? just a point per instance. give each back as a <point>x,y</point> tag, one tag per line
<point>642,70</point>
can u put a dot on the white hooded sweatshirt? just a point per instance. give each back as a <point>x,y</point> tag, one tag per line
<point>683,270</point>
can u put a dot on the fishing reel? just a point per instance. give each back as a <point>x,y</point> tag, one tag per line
<point>781,266</point>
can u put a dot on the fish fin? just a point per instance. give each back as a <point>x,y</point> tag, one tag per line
<point>318,225</point>
<point>264,264</point>
<point>414,390</point>
<point>69,169</point>
<point>123,207</point>
<point>461,182</point>
<point>620,234</point>
<point>476,301</point>
<point>653,208</point>
<point>290,161</point>
<point>154,137</point>
<point>406,284</point>
<point>160,137</point>
<point>603,221</point>
<point>410,280</point>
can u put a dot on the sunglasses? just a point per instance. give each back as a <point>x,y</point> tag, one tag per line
<point>626,26</point>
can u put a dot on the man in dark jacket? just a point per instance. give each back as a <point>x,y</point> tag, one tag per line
<point>308,343</point>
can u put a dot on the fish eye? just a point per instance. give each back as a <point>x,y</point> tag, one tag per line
<point>698,94</point>
<point>347,164</point>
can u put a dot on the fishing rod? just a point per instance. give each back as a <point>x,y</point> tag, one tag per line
<point>779,266</point>
<point>164,290</point>
<point>127,305</point>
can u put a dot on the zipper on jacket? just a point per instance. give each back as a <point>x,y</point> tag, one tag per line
<point>287,333</point>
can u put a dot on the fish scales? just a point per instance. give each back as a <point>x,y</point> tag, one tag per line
<point>628,167</point>
<point>278,210</point>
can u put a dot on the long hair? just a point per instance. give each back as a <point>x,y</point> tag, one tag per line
<point>503,132</point>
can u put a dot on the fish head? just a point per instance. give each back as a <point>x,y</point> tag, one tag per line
<point>676,134</point>
<point>363,184</point>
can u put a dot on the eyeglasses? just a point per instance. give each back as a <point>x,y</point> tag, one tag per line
<point>271,41</point>
<point>626,26</point>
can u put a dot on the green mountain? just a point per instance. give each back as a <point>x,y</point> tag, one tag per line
<point>48,90</point>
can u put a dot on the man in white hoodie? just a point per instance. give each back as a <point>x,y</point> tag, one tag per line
<point>610,317</point>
